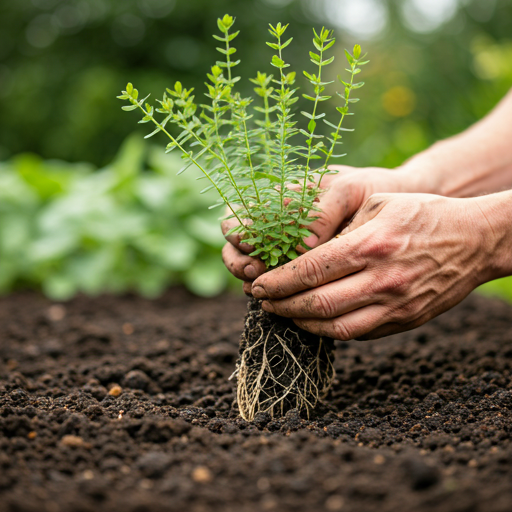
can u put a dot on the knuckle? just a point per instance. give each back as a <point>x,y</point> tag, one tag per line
<point>310,272</point>
<point>391,283</point>
<point>341,331</point>
<point>374,201</point>
<point>379,246</point>
<point>323,306</point>
<point>323,219</point>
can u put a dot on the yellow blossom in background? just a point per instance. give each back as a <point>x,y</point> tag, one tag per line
<point>399,101</point>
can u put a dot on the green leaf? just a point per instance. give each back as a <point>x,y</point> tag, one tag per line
<point>263,175</point>
<point>228,21</point>
<point>129,107</point>
<point>315,57</point>
<point>328,45</point>
<point>221,26</point>
<point>284,45</point>
<point>129,88</point>
<point>311,126</point>
<point>357,51</point>
<point>328,61</point>
<point>349,57</point>
<point>277,62</point>
<point>154,132</point>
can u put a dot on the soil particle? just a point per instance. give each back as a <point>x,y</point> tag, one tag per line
<point>124,405</point>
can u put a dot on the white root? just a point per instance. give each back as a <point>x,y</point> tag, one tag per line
<point>304,376</point>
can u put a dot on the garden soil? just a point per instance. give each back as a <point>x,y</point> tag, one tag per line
<point>124,404</point>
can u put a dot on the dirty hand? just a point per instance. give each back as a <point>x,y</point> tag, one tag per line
<point>344,194</point>
<point>404,259</point>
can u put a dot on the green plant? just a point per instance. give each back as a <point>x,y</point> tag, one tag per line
<point>266,179</point>
<point>270,184</point>
<point>131,226</point>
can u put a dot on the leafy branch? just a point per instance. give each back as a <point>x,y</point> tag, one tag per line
<point>267,182</point>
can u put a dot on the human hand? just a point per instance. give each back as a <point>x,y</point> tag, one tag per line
<point>345,192</point>
<point>404,259</point>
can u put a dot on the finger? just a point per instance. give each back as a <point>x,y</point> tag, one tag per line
<point>331,261</point>
<point>334,204</point>
<point>328,301</point>
<point>240,265</point>
<point>247,288</point>
<point>234,238</point>
<point>371,208</point>
<point>346,327</point>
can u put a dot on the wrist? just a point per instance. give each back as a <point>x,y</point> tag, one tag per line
<point>422,173</point>
<point>495,212</point>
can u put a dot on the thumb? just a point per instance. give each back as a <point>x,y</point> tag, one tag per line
<point>336,205</point>
<point>370,209</point>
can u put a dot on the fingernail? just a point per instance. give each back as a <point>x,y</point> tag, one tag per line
<point>311,240</point>
<point>267,306</point>
<point>250,272</point>
<point>259,292</point>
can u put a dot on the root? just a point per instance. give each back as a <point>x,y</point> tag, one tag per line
<point>281,367</point>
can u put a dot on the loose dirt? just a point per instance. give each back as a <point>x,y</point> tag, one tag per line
<point>124,404</point>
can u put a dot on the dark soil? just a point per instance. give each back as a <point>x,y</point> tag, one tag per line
<point>123,404</point>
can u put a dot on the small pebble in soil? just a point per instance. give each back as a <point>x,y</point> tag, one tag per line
<point>202,475</point>
<point>136,379</point>
<point>334,503</point>
<point>72,441</point>
<point>56,313</point>
<point>263,484</point>
<point>128,328</point>
<point>115,390</point>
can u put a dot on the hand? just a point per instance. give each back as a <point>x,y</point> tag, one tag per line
<point>344,194</point>
<point>404,259</point>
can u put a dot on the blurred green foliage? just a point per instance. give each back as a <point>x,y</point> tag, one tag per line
<point>436,67</point>
<point>133,225</point>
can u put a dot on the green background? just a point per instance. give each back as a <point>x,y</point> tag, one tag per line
<point>123,220</point>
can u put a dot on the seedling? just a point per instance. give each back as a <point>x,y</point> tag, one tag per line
<point>267,171</point>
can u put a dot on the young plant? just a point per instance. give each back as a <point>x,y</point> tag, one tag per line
<point>267,171</point>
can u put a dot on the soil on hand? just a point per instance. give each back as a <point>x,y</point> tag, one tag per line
<point>123,404</point>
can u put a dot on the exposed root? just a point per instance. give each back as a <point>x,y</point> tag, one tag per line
<point>281,367</point>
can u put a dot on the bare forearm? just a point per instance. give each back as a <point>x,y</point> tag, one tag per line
<point>478,161</point>
<point>497,211</point>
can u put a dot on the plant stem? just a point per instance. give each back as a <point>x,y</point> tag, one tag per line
<point>283,130</point>
<point>250,160</point>
<point>335,137</point>
<point>310,141</point>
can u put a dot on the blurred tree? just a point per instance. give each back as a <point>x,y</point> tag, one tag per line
<point>436,67</point>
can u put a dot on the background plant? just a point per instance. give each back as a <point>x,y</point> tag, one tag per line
<point>131,226</point>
